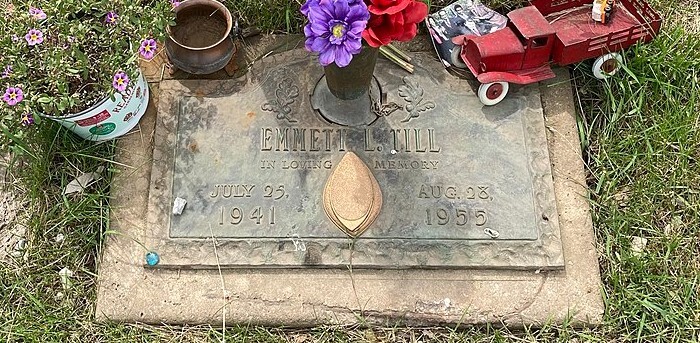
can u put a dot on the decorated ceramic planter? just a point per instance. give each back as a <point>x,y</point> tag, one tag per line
<point>110,118</point>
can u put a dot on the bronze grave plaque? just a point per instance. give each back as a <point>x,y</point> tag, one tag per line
<point>436,181</point>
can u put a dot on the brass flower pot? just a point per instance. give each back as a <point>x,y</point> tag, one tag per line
<point>200,42</point>
<point>353,80</point>
<point>348,96</point>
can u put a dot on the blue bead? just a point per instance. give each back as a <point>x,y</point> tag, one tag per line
<point>152,258</point>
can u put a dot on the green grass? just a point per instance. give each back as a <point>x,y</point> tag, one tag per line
<point>641,140</point>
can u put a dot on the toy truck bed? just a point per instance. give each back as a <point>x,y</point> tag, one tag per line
<point>579,37</point>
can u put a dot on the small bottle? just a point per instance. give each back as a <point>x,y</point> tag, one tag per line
<point>602,10</point>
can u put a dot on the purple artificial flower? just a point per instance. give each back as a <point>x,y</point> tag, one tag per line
<point>148,48</point>
<point>27,119</point>
<point>34,37</point>
<point>335,29</point>
<point>111,18</point>
<point>120,81</point>
<point>37,13</point>
<point>6,72</point>
<point>13,95</point>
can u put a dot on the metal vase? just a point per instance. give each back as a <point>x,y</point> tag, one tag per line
<point>353,80</point>
<point>198,58</point>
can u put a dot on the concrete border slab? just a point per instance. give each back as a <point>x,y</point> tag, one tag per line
<point>129,293</point>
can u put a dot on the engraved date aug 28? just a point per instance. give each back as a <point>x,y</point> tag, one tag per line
<point>454,193</point>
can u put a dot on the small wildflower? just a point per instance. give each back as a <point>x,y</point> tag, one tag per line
<point>13,95</point>
<point>6,72</point>
<point>175,3</point>
<point>34,37</point>
<point>111,18</point>
<point>120,81</point>
<point>27,119</point>
<point>15,38</point>
<point>37,13</point>
<point>148,48</point>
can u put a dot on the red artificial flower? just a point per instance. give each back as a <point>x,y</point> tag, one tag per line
<point>393,20</point>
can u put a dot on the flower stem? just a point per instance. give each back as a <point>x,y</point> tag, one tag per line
<point>392,57</point>
<point>401,54</point>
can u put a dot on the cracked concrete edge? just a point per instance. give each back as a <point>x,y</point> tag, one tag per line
<point>568,171</point>
<point>302,298</point>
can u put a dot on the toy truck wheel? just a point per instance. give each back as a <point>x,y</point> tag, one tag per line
<point>492,93</point>
<point>607,65</point>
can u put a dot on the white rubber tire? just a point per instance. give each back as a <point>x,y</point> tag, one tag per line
<point>607,65</point>
<point>492,93</point>
<point>456,57</point>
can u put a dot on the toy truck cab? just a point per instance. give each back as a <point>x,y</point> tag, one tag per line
<point>558,32</point>
<point>519,53</point>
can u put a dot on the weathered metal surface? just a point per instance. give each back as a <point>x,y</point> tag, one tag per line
<point>463,186</point>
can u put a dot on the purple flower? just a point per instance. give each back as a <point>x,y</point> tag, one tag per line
<point>148,48</point>
<point>37,13</point>
<point>15,38</point>
<point>335,29</point>
<point>13,95</point>
<point>6,72</point>
<point>27,119</point>
<point>120,81</point>
<point>34,37</point>
<point>111,18</point>
<point>175,3</point>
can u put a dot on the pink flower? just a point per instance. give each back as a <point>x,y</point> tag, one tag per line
<point>175,3</point>
<point>148,48</point>
<point>13,95</point>
<point>120,81</point>
<point>37,13</point>
<point>111,18</point>
<point>6,72</point>
<point>27,119</point>
<point>34,37</point>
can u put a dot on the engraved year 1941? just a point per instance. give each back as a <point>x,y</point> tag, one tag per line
<point>236,215</point>
<point>241,214</point>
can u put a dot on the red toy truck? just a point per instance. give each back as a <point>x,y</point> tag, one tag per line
<point>557,32</point>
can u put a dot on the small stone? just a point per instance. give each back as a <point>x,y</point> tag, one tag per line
<point>19,247</point>
<point>65,275</point>
<point>81,182</point>
<point>152,258</point>
<point>179,205</point>
<point>637,245</point>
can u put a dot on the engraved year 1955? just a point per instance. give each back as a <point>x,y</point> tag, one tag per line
<point>456,216</point>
